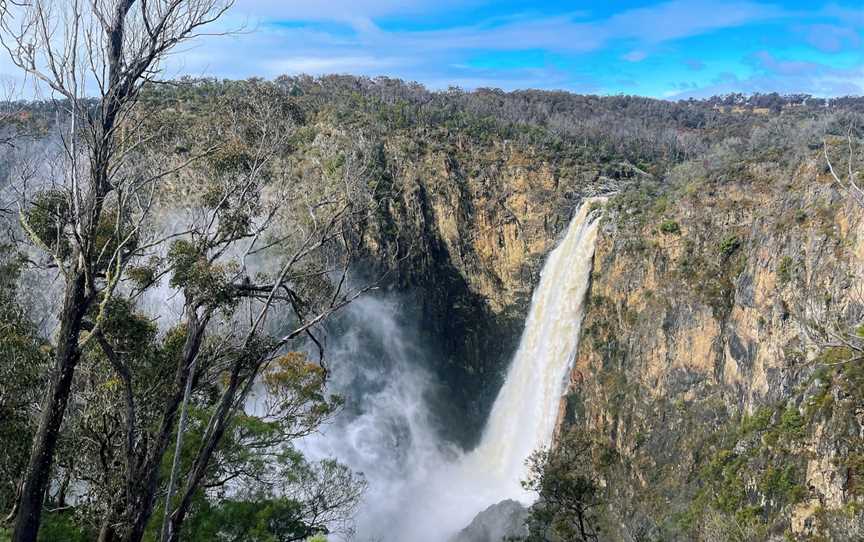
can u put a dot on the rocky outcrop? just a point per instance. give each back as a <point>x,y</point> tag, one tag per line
<point>700,369</point>
<point>502,521</point>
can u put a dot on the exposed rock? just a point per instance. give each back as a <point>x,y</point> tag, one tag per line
<point>700,373</point>
<point>499,522</point>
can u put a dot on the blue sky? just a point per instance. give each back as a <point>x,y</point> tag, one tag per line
<point>677,48</point>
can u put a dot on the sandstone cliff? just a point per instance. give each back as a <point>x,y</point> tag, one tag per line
<point>719,413</point>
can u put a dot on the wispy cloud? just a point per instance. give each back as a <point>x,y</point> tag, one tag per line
<point>635,56</point>
<point>784,76</point>
<point>571,33</point>
<point>287,40</point>
<point>768,63</point>
<point>668,46</point>
<point>832,38</point>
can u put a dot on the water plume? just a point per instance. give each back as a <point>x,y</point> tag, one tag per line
<point>420,489</point>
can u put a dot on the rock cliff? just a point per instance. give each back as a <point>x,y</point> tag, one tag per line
<point>712,374</point>
<point>717,408</point>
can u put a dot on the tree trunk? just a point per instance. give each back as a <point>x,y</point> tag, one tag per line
<point>178,450</point>
<point>145,499</point>
<point>205,453</point>
<point>106,533</point>
<point>44,443</point>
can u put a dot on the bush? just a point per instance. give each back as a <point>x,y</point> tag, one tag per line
<point>784,270</point>
<point>670,227</point>
<point>568,489</point>
<point>729,245</point>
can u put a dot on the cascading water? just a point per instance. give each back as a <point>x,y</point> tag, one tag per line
<point>525,412</point>
<point>423,492</point>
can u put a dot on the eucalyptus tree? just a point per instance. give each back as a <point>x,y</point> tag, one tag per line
<point>110,48</point>
<point>262,259</point>
<point>95,217</point>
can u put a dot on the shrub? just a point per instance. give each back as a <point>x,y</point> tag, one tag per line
<point>729,245</point>
<point>670,227</point>
<point>784,270</point>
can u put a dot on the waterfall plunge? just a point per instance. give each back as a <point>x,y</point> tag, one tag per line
<point>525,412</point>
<point>421,493</point>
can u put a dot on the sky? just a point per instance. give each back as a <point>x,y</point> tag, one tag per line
<point>666,49</point>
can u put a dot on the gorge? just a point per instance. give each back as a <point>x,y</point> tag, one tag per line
<point>421,489</point>
<point>708,304</point>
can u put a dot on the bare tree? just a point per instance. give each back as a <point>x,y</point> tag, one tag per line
<point>110,48</point>
<point>833,322</point>
<point>846,180</point>
<point>259,257</point>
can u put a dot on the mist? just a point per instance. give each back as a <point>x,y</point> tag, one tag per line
<point>386,430</point>
<point>421,488</point>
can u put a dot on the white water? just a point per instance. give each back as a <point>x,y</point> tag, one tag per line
<point>421,491</point>
<point>526,410</point>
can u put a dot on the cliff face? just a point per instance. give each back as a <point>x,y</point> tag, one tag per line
<point>708,377</point>
<point>468,241</point>
<point>699,377</point>
<point>720,400</point>
<point>702,376</point>
<point>461,234</point>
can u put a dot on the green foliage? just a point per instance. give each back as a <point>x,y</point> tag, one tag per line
<point>569,493</point>
<point>25,357</point>
<point>63,527</point>
<point>296,388</point>
<point>635,206</point>
<point>835,355</point>
<point>784,270</point>
<point>334,166</point>
<point>729,245</point>
<point>197,275</point>
<point>792,424</point>
<point>758,421</point>
<point>48,218</point>
<point>231,157</point>
<point>782,483</point>
<point>753,474</point>
<point>323,496</point>
<point>128,330</point>
<point>259,520</point>
<point>854,462</point>
<point>670,227</point>
<point>142,276</point>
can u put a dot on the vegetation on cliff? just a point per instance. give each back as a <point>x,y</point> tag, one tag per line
<point>720,352</point>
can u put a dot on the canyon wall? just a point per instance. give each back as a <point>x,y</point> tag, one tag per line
<point>714,404</point>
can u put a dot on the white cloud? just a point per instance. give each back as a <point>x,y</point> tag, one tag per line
<point>340,10</point>
<point>635,56</point>
<point>315,65</point>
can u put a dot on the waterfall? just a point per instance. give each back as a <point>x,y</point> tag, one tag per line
<point>424,493</point>
<point>525,412</point>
